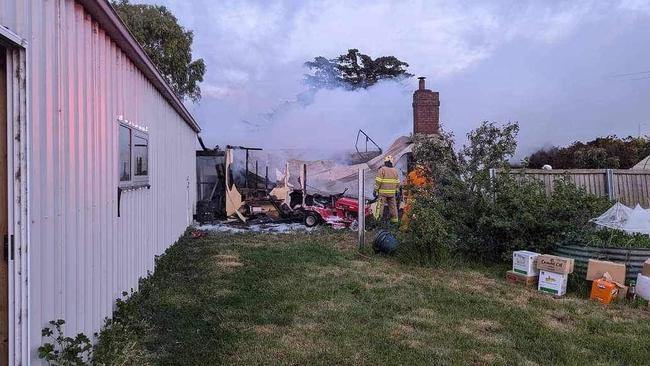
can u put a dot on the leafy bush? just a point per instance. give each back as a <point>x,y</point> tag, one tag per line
<point>64,351</point>
<point>467,211</point>
<point>522,216</point>
<point>429,239</point>
<point>120,341</point>
<point>599,238</point>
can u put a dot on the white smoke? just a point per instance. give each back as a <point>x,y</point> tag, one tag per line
<point>328,123</point>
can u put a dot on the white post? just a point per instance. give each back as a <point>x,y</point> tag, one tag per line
<point>303,183</point>
<point>362,209</point>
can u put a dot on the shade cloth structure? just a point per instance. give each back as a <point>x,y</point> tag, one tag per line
<point>638,222</point>
<point>643,164</point>
<point>624,218</point>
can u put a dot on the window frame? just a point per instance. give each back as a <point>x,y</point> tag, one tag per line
<point>139,179</point>
<point>135,181</point>
<point>119,155</point>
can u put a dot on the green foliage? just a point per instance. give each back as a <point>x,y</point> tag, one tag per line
<point>485,217</point>
<point>120,341</point>
<point>592,237</point>
<point>489,147</point>
<point>429,239</point>
<point>604,152</point>
<point>522,216</point>
<point>64,351</point>
<point>353,70</point>
<point>167,44</point>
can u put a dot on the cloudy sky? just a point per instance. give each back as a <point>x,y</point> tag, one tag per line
<point>555,67</point>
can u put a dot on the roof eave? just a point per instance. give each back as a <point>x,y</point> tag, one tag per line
<point>108,19</point>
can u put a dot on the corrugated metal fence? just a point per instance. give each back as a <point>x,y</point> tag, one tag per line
<point>633,258</point>
<point>629,187</point>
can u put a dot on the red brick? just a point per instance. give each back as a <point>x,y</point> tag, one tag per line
<point>426,110</point>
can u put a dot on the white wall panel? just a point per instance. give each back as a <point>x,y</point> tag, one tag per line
<point>82,256</point>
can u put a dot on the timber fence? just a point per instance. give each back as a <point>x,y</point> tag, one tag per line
<point>629,187</point>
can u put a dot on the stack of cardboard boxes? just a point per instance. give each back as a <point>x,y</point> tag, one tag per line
<point>550,274</point>
<point>524,270</point>
<point>608,280</point>
<point>554,273</point>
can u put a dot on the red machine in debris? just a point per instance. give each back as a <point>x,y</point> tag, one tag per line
<point>334,210</point>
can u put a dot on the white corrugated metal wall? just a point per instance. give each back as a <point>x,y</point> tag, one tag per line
<point>82,256</point>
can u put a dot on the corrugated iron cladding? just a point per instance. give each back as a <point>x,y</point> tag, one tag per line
<point>81,255</point>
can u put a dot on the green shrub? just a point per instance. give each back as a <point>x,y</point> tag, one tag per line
<point>522,217</point>
<point>121,339</point>
<point>64,351</point>
<point>599,238</point>
<point>429,239</point>
<point>466,211</point>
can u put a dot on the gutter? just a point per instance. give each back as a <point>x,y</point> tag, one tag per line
<point>105,15</point>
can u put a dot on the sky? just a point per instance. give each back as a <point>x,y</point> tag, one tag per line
<point>556,67</point>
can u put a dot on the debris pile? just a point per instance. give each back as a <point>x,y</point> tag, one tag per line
<point>237,228</point>
<point>233,189</point>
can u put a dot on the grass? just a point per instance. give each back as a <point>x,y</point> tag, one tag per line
<point>309,299</point>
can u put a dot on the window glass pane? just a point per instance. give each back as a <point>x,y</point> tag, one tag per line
<point>125,154</point>
<point>141,157</point>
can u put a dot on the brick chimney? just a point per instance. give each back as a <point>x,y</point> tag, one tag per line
<point>426,110</point>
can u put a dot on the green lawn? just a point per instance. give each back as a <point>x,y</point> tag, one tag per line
<point>309,299</point>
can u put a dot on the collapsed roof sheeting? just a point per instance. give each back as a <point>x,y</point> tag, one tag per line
<point>326,176</point>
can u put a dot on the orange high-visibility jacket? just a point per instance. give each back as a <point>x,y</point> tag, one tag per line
<point>416,179</point>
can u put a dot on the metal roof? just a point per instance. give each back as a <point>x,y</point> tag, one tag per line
<point>107,17</point>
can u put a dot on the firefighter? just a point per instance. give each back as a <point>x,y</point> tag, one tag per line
<point>416,179</point>
<point>386,187</point>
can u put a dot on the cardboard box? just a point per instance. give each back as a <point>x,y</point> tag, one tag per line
<point>603,291</point>
<point>596,269</point>
<point>643,286</point>
<point>523,262</point>
<point>519,279</point>
<point>553,263</point>
<point>552,283</point>
<point>622,292</point>
<point>646,268</point>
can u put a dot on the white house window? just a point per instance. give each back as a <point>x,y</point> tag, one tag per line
<point>134,156</point>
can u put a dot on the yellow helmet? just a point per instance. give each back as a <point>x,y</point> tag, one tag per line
<point>389,158</point>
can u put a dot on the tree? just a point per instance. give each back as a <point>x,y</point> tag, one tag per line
<point>489,146</point>
<point>353,70</point>
<point>603,152</point>
<point>167,44</point>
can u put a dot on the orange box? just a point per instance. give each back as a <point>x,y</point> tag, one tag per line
<point>604,291</point>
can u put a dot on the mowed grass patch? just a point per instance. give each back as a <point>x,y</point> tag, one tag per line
<point>310,299</point>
